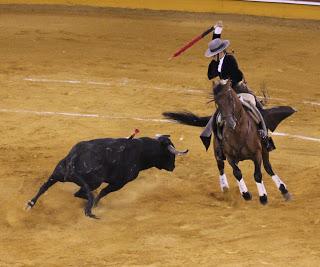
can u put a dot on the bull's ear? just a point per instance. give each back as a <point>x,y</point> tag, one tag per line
<point>164,141</point>
<point>161,135</point>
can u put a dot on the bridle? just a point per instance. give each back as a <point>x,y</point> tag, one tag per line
<point>232,114</point>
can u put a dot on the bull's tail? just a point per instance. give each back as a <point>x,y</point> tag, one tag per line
<point>187,118</point>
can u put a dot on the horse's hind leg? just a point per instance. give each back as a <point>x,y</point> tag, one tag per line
<point>242,185</point>
<point>276,179</point>
<point>258,178</point>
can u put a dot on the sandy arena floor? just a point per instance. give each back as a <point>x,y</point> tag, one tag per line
<point>113,63</point>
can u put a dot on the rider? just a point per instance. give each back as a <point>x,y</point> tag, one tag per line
<point>225,66</point>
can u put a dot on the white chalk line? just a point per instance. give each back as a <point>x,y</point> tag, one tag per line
<point>70,114</point>
<point>84,115</point>
<point>312,103</point>
<point>66,81</point>
<point>297,136</point>
<point>126,82</point>
<point>296,2</point>
<point>122,83</point>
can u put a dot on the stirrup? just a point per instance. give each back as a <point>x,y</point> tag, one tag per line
<point>266,141</point>
<point>270,145</point>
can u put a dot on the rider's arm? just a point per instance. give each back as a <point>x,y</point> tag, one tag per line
<point>217,30</point>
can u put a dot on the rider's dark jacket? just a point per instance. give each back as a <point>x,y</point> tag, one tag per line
<point>229,69</point>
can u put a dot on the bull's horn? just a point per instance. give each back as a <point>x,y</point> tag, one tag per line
<point>176,152</point>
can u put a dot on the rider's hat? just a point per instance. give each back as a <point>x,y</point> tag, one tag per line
<point>216,46</point>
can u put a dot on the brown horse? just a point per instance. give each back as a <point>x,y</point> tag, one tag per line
<point>240,139</point>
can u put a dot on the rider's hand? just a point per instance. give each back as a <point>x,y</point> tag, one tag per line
<point>218,27</point>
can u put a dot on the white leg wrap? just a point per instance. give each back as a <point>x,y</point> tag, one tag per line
<point>277,180</point>
<point>223,182</point>
<point>242,186</point>
<point>261,189</point>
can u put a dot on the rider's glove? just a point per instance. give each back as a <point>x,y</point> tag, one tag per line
<point>218,27</point>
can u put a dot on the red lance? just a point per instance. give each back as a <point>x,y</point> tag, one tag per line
<point>191,43</point>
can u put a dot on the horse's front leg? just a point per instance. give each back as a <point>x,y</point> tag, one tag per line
<point>276,179</point>
<point>224,185</point>
<point>258,178</point>
<point>242,185</point>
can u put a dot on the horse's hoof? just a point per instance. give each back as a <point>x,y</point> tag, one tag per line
<point>287,196</point>
<point>283,189</point>
<point>264,199</point>
<point>247,196</point>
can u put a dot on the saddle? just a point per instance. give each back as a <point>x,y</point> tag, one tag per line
<point>249,104</point>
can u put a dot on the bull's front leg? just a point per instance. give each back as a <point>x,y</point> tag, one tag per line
<point>108,189</point>
<point>85,187</point>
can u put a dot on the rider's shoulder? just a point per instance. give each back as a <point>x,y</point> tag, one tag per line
<point>230,57</point>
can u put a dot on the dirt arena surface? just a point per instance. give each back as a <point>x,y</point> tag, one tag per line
<point>58,66</point>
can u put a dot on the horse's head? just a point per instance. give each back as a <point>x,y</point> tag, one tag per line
<point>225,99</point>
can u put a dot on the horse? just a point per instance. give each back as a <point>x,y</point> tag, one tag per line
<point>240,139</point>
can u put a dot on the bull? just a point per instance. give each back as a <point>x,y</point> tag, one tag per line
<point>113,161</point>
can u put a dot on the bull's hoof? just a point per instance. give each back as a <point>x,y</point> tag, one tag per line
<point>91,215</point>
<point>287,196</point>
<point>247,196</point>
<point>264,199</point>
<point>29,205</point>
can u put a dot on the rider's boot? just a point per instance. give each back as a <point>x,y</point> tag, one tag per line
<point>266,141</point>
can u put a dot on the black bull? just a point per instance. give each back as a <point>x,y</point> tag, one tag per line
<point>113,161</point>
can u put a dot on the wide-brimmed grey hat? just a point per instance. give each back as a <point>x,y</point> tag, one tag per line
<point>216,46</point>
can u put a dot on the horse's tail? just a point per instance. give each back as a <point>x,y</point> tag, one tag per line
<point>187,118</point>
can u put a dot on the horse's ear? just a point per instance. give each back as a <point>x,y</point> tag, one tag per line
<point>229,82</point>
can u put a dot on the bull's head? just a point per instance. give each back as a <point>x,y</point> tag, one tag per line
<point>168,153</point>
